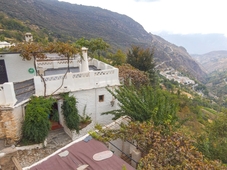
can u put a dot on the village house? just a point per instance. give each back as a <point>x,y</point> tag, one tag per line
<point>4,44</point>
<point>172,74</point>
<point>87,82</point>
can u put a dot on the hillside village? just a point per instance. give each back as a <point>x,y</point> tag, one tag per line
<point>175,75</point>
<point>119,101</point>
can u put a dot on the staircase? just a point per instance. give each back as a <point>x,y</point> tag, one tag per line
<point>24,90</point>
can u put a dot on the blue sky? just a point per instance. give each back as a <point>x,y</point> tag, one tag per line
<point>173,16</point>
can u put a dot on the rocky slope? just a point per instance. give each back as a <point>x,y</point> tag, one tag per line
<point>170,55</point>
<point>212,61</point>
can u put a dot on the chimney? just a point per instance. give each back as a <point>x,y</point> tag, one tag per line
<point>28,37</point>
<point>84,62</point>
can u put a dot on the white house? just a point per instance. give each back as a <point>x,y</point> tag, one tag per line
<point>4,44</point>
<point>86,81</point>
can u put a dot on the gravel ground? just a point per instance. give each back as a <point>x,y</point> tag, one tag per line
<point>56,140</point>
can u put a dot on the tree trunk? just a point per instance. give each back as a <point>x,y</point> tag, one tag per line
<point>41,76</point>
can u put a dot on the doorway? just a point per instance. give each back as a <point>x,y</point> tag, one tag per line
<point>3,73</point>
<point>54,117</point>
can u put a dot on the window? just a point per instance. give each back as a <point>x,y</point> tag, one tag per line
<point>101,98</point>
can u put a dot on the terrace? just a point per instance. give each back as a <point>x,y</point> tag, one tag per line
<point>83,74</point>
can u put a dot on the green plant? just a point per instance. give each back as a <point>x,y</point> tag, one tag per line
<point>213,143</point>
<point>36,124</point>
<point>85,118</point>
<point>146,103</point>
<point>55,116</point>
<point>70,112</point>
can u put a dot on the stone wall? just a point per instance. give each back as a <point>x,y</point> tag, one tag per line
<point>11,124</point>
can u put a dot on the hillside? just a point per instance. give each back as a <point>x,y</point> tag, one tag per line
<point>170,55</point>
<point>65,21</point>
<point>60,18</point>
<point>212,61</point>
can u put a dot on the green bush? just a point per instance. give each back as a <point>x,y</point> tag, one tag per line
<point>36,125</point>
<point>213,143</point>
<point>70,112</point>
<point>146,103</point>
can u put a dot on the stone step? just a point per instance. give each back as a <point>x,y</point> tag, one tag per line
<point>126,158</point>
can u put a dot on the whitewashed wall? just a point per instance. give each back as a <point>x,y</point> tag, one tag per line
<point>7,95</point>
<point>76,81</point>
<point>94,108</point>
<point>16,68</point>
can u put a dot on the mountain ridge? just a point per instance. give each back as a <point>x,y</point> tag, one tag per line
<point>67,21</point>
<point>212,61</point>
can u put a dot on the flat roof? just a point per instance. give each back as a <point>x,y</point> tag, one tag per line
<point>80,154</point>
<point>50,72</point>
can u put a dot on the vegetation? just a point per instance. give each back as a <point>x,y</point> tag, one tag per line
<point>32,51</point>
<point>85,119</point>
<point>66,50</point>
<point>36,124</point>
<point>70,112</point>
<point>133,76</point>
<point>159,149</point>
<point>201,118</point>
<point>145,104</point>
<point>174,152</point>
<point>154,108</point>
<point>13,30</point>
<point>213,142</point>
<point>95,46</point>
<point>117,58</point>
<point>140,58</point>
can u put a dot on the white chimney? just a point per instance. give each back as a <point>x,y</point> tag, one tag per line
<point>28,37</point>
<point>84,62</point>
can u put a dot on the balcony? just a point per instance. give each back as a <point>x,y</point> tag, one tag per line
<point>99,75</point>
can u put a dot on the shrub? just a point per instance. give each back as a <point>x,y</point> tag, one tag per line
<point>70,112</point>
<point>36,125</point>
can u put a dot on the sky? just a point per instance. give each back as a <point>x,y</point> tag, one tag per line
<point>172,16</point>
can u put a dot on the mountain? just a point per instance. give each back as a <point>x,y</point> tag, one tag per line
<point>61,18</point>
<point>212,61</point>
<point>197,43</point>
<point>170,55</point>
<point>66,21</point>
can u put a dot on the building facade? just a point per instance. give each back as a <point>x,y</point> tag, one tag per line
<point>86,80</point>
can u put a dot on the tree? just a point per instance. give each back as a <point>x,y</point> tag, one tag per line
<point>63,49</point>
<point>32,50</point>
<point>133,76</point>
<point>118,58</point>
<point>36,124</point>
<point>141,58</point>
<point>95,46</point>
<point>173,151</point>
<point>70,112</point>
<point>146,104</point>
